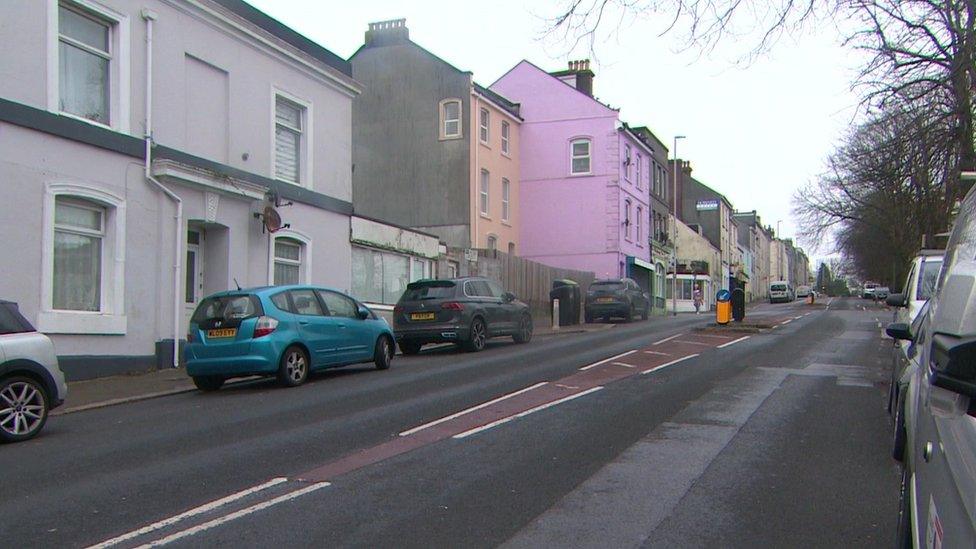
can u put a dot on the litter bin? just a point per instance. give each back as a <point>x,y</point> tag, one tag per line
<point>738,304</point>
<point>723,307</point>
<point>568,293</point>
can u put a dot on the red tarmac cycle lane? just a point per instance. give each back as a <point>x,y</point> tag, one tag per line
<point>520,403</point>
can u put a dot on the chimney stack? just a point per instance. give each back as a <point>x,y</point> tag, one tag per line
<point>579,76</point>
<point>387,33</point>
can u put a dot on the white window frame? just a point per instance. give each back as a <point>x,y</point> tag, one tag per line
<point>637,171</point>
<point>588,155</point>
<point>506,198</point>
<point>484,125</point>
<point>110,319</point>
<point>627,223</point>
<point>506,135</point>
<point>491,242</point>
<point>119,106</point>
<point>628,160</point>
<point>640,217</point>
<point>305,271</point>
<point>484,193</point>
<point>305,164</point>
<point>443,120</point>
<point>421,264</point>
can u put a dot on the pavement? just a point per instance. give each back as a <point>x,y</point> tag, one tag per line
<point>645,435</point>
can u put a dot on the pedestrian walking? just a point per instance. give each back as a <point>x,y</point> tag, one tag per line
<point>698,300</point>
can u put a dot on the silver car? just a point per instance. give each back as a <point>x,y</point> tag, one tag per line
<point>939,405</point>
<point>31,383</point>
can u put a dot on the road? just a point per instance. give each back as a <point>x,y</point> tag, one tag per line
<point>652,434</point>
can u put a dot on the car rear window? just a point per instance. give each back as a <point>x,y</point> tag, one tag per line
<point>227,307</point>
<point>778,287</point>
<point>437,289</point>
<point>929,278</point>
<point>607,286</point>
<point>11,321</point>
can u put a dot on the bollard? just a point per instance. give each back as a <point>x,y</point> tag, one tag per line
<point>555,314</point>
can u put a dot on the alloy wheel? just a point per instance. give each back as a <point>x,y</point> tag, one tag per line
<point>23,408</point>
<point>479,336</point>
<point>295,366</point>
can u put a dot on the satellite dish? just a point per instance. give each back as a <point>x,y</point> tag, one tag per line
<point>272,221</point>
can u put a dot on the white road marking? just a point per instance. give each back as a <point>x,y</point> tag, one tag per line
<point>672,363</point>
<point>785,322</point>
<point>709,335</point>
<point>604,361</point>
<point>525,413</point>
<point>666,339</point>
<point>469,410</point>
<point>798,317</point>
<point>207,507</point>
<point>692,342</point>
<point>733,342</point>
<point>235,515</point>
<point>624,364</point>
<point>657,353</point>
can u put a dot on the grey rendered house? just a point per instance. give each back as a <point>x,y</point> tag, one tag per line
<point>110,243</point>
<point>662,247</point>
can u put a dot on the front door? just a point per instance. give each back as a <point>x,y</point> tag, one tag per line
<point>193,270</point>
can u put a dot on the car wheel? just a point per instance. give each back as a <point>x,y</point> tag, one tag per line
<point>646,312</point>
<point>899,437</point>
<point>383,353</point>
<point>410,347</point>
<point>208,383</point>
<point>904,538</point>
<point>524,334</point>
<point>293,369</point>
<point>478,336</point>
<point>630,314</point>
<point>23,408</point>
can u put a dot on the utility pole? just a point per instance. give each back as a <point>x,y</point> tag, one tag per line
<point>674,241</point>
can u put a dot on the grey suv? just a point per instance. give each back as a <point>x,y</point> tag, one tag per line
<point>466,311</point>
<point>939,404</point>
<point>621,297</point>
<point>31,383</point>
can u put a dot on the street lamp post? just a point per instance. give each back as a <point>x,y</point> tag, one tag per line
<point>674,239</point>
<point>779,252</point>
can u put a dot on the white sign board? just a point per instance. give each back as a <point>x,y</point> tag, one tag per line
<point>706,205</point>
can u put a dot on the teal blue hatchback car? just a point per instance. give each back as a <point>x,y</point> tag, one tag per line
<point>286,331</point>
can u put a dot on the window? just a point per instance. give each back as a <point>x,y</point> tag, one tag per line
<point>280,301</point>
<point>483,194</point>
<point>659,285</point>
<point>492,242</point>
<point>477,288</point>
<point>483,126</point>
<point>287,261</point>
<point>450,118</point>
<point>79,229</point>
<point>627,218</point>
<point>637,171</point>
<point>505,135</point>
<point>419,269</point>
<point>289,134</point>
<point>339,305</point>
<point>379,276</point>
<point>511,248</point>
<point>640,216</point>
<point>580,156</point>
<point>627,162</point>
<point>306,303</point>
<point>506,189</point>
<point>452,269</point>
<point>84,64</point>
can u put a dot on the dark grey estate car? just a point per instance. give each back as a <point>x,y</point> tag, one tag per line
<point>616,297</point>
<point>466,311</point>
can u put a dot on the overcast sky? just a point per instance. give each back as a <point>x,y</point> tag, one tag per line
<point>755,133</point>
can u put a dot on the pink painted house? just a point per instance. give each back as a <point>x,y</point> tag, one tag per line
<point>585,176</point>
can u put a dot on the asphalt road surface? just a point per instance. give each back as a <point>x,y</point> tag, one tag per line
<point>651,434</point>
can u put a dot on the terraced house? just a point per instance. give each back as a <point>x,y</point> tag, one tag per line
<point>585,176</point>
<point>147,145</point>
<point>433,150</point>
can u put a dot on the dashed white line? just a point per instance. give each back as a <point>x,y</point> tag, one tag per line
<point>733,342</point>
<point>692,342</point>
<point>657,353</point>
<point>525,413</point>
<point>785,322</point>
<point>205,508</point>
<point>469,410</point>
<point>235,515</point>
<point>665,365</point>
<point>604,361</point>
<point>624,364</point>
<point>666,339</point>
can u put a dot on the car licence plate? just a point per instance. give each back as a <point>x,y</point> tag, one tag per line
<point>222,332</point>
<point>422,316</point>
<point>605,300</point>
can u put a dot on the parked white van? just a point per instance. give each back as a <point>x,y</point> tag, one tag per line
<point>781,291</point>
